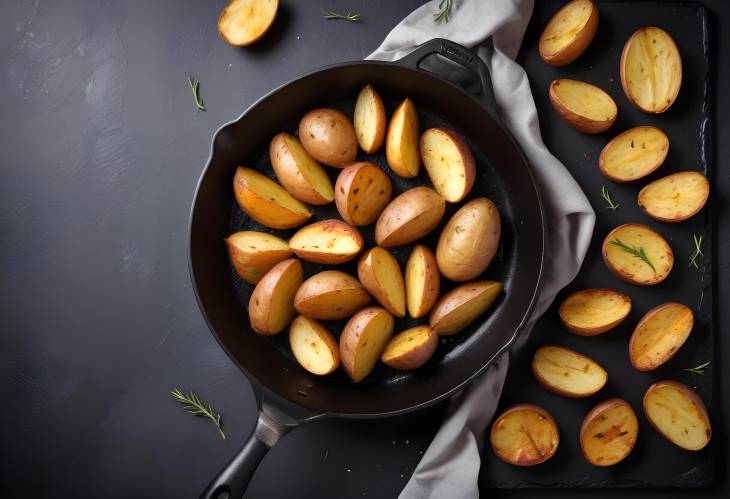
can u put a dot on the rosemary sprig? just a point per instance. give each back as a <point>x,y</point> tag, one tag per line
<point>634,251</point>
<point>698,251</point>
<point>192,404</point>
<point>195,88</point>
<point>607,197</point>
<point>699,370</point>
<point>353,17</point>
<point>444,11</point>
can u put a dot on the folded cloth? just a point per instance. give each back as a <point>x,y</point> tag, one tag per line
<point>450,466</point>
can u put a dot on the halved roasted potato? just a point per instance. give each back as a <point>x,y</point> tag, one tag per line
<point>569,33</point>
<point>423,281</point>
<point>651,70</point>
<point>363,340</point>
<point>369,120</point>
<point>659,334</point>
<point>567,372</point>
<point>410,349</point>
<point>448,162</point>
<point>267,202</point>
<point>609,432</point>
<point>330,295</point>
<point>594,311</point>
<point>362,191</point>
<point>637,254</point>
<point>678,414</point>
<point>271,306</point>
<point>298,172</point>
<point>676,197</point>
<point>327,241</point>
<point>463,305</point>
<point>381,275</point>
<point>253,253</point>
<point>634,154</point>
<point>409,217</point>
<point>524,435</point>
<point>401,141</point>
<point>243,22</point>
<point>583,106</point>
<point>329,137</point>
<point>313,346</point>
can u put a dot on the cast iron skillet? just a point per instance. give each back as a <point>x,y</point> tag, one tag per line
<point>287,395</point>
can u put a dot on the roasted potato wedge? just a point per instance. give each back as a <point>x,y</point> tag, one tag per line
<point>329,137</point>
<point>330,295</point>
<point>410,349</point>
<point>594,311</point>
<point>401,141</point>
<point>463,305</point>
<point>651,70</point>
<point>380,273</point>
<point>569,33</point>
<point>362,191</point>
<point>567,372</point>
<point>625,242</point>
<point>327,241</point>
<point>369,120</point>
<point>659,334</point>
<point>271,306</point>
<point>423,281</point>
<point>609,432</point>
<point>253,253</point>
<point>267,202</point>
<point>363,340</point>
<point>678,414</point>
<point>313,346</point>
<point>524,435</point>
<point>676,197</point>
<point>469,240</point>
<point>409,217</point>
<point>448,162</point>
<point>583,106</point>
<point>301,175</point>
<point>634,154</point>
<point>243,22</point>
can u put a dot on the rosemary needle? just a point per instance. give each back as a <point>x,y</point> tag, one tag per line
<point>607,197</point>
<point>638,252</point>
<point>699,370</point>
<point>698,251</point>
<point>444,11</point>
<point>192,404</point>
<point>353,17</point>
<point>195,88</point>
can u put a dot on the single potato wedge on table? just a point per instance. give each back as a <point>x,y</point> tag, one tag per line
<point>423,281</point>
<point>634,154</point>
<point>583,106</point>
<point>524,435</point>
<point>330,295</point>
<point>327,241</point>
<point>243,22</point>
<point>362,192</point>
<point>401,141</point>
<point>363,340</point>
<point>409,217</point>
<point>369,120</point>
<point>659,335</point>
<point>313,346</point>
<point>253,253</point>
<point>301,175</point>
<point>329,137</point>
<point>267,202</point>
<point>609,432</point>
<point>676,197</point>
<point>463,305</point>
<point>678,414</point>
<point>637,254</point>
<point>410,349</point>
<point>448,162</point>
<point>594,311</point>
<point>381,275</point>
<point>569,32</point>
<point>271,306</point>
<point>567,372</point>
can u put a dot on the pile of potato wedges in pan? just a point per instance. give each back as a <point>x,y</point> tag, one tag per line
<point>651,76</point>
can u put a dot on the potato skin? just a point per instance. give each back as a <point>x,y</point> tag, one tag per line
<point>593,331</point>
<point>329,137</point>
<point>361,107</point>
<point>691,395</point>
<point>409,217</point>
<point>619,273</point>
<point>353,330</point>
<point>334,229</point>
<point>603,161</point>
<point>249,41</point>
<point>416,355</point>
<point>590,418</point>
<point>441,319</point>
<point>362,191</point>
<point>343,294</point>
<point>573,50</point>
<point>250,263</point>
<point>418,306</point>
<point>261,302</point>
<point>289,173</point>
<point>646,205</point>
<point>525,407</point>
<point>548,385</point>
<point>580,123</point>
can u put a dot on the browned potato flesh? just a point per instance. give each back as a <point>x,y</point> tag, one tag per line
<point>271,306</point>
<point>327,241</point>
<point>267,202</point>
<point>329,137</point>
<point>330,295</point>
<point>410,349</point>
<point>609,432</point>
<point>678,414</point>
<point>253,253</point>
<point>448,162</point>
<point>423,281</point>
<point>313,346</point>
<point>583,106</point>
<point>659,334</point>
<point>243,22</point>
<point>362,192</point>
<point>298,172</point>
<point>676,197</point>
<point>594,311</point>
<point>409,217</point>
<point>569,32</point>
<point>634,154</point>
<point>567,372</point>
<point>363,340</point>
<point>401,141</point>
<point>369,120</point>
<point>463,305</point>
<point>625,242</point>
<point>524,435</point>
<point>381,275</point>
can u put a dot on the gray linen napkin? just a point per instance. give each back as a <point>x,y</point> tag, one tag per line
<point>450,466</point>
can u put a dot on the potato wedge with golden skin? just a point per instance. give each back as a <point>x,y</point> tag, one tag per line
<point>630,268</point>
<point>409,217</point>
<point>401,141</point>
<point>243,22</point>
<point>271,306</point>
<point>362,192</point>
<point>267,202</point>
<point>463,305</point>
<point>609,432</point>
<point>369,120</point>
<point>381,275</point>
<point>567,372</point>
<point>327,241</point>
<point>423,281</point>
<point>253,253</point>
<point>634,154</point>
<point>651,70</point>
<point>329,137</point>
<point>676,197</point>
<point>298,172</point>
<point>594,311</point>
<point>448,162</point>
<point>313,346</point>
<point>678,414</point>
<point>410,349</point>
<point>524,435</point>
<point>363,340</point>
<point>659,334</point>
<point>569,33</point>
<point>583,106</point>
<point>330,295</point>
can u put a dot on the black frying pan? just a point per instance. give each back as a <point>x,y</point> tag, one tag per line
<point>287,394</point>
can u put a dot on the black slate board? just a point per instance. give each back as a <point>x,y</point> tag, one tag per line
<point>654,462</point>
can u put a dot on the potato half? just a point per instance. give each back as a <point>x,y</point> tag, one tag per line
<point>567,372</point>
<point>267,202</point>
<point>423,281</point>
<point>676,197</point>
<point>329,137</point>
<point>409,217</point>
<point>651,70</point>
<point>569,33</point>
<point>362,191</point>
<point>583,106</point>
<point>634,154</point>
<point>659,334</point>
<point>401,141</point>
<point>271,306</point>
<point>609,432</point>
<point>678,414</point>
<point>243,22</point>
<point>313,346</point>
<point>301,175</point>
<point>327,241</point>
<point>410,349</point>
<point>625,242</point>
<point>463,305</point>
<point>330,295</point>
<point>381,275</point>
<point>369,120</point>
<point>253,253</point>
<point>448,162</point>
<point>594,311</point>
<point>524,435</point>
<point>363,340</point>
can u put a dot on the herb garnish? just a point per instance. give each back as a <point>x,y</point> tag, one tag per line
<point>444,11</point>
<point>698,251</point>
<point>699,370</point>
<point>607,197</point>
<point>195,88</point>
<point>353,17</point>
<point>192,404</point>
<point>634,251</point>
